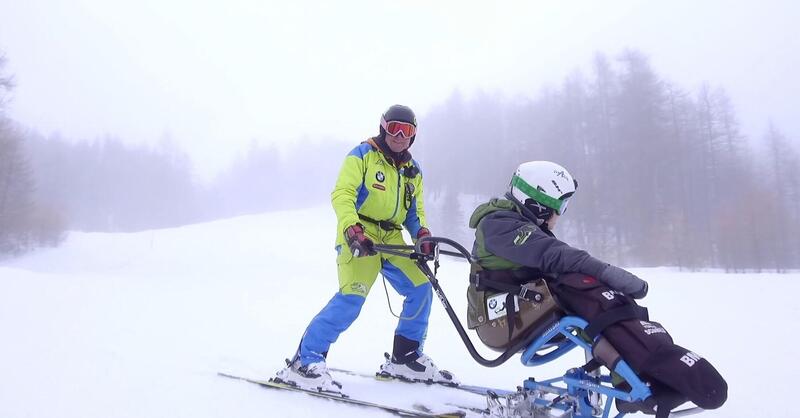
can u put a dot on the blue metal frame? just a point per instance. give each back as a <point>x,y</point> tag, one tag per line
<point>576,383</point>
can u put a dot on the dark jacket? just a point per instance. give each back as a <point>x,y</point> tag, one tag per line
<point>509,237</point>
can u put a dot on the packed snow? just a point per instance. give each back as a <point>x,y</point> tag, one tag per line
<point>138,325</point>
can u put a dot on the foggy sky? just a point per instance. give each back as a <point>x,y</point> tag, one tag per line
<point>213,76</point>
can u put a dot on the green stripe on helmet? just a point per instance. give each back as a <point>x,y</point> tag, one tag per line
<point>536,195</point>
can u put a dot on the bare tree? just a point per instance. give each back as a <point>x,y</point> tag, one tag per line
<point>781,216</point>
<point>6,84</point>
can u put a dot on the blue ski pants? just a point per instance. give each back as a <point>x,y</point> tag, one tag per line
<point>356,277</point>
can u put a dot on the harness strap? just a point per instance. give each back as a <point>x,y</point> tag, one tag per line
<point>591,365</point>
<point>479,279</point>
<point>612,316</point>
<point>385,225</point>
<point>511,314</point>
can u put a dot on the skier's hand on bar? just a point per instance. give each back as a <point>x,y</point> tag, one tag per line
<point>427,247</point>
<point>359,244</point>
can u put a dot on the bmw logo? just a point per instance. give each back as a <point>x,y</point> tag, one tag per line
<point>379,176</point>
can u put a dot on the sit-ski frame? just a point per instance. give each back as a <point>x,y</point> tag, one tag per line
<point>576,394</point>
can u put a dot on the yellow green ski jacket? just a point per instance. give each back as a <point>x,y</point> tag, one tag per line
<point>371,186</point>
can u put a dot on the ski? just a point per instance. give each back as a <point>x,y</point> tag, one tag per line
<point>478,390</point>
<point>423,413</point>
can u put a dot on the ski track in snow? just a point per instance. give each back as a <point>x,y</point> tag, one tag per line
<point>138,325</point>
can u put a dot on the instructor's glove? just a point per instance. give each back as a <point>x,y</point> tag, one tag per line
<point>624,281</point>
<point>359,244</point>
<point>427,247</point>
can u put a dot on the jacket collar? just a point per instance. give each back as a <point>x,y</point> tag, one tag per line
<point>398,159</point>
<point>527,213</point>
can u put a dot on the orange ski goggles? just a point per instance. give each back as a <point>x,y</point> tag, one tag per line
<point>397,128</point>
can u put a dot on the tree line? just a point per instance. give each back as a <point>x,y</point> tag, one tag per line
<point>108,186</point>
<point>24,224</point>
<point>49,185</point>
<point>666,177</point>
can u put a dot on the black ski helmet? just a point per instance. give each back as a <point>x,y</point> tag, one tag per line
<point>398,113</point>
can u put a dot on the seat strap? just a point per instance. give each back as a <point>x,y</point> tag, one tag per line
<point>612,316</point>
<point>522,292</point>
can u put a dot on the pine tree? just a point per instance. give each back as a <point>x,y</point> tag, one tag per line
<point>16,192</point>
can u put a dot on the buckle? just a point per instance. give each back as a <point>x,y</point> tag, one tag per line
<point>388,226</point>
<point>477,280</point>
<point>534,297</point>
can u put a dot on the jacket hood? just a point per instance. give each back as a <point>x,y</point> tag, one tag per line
<point>509,204</point>
<point>491,206</point>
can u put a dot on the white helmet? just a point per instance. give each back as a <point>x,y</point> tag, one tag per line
<point>543,185</point>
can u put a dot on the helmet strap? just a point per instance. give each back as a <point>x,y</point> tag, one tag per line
<point>526,212</point>
<point>539,210</point>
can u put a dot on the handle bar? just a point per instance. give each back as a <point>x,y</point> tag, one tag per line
<point>415,251</point>
<point>422,261</point>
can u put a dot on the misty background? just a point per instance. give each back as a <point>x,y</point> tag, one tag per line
<point>678,120</point>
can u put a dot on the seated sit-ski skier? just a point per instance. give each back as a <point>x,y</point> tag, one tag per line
<point>514,239</point>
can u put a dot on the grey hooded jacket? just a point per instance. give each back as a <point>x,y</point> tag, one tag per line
<point>508,237</point>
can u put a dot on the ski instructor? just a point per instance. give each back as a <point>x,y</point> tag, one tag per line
<point>377,194</point>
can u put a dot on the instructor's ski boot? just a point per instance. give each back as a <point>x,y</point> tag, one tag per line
<point>314,376</point>
<point>420,369</point>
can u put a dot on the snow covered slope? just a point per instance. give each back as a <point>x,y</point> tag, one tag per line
<point>137,325</point>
